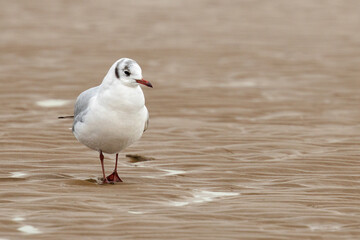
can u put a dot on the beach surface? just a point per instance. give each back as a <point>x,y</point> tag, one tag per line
<point>254,120</point>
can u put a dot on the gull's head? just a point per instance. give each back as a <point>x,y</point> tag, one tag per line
<point>129,73</point>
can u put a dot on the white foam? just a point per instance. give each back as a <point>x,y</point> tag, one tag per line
<point>28,229</point>
<point>172,172</point>
<point>324,227</point>
<point>149,176</point>
<point>52,103</point>
<point>168,173</point>
<point>17,174</point>
<point>135,212</point>
<point>201,196</point>
<point>208,196</point>
<point>18,219</point>
<point>178,204</point>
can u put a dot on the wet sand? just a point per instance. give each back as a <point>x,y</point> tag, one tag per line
<point>254,129</point>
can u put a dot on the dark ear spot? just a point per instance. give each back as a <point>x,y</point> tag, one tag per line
<point>117,72</point>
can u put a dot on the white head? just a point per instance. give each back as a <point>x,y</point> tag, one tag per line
<point>129,73</point>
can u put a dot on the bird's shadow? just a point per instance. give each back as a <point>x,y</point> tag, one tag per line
<point>134,158</point>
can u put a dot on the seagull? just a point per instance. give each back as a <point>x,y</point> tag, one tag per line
<point>110,117</point>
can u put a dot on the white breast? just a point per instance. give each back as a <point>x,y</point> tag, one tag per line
<point>116,119</point>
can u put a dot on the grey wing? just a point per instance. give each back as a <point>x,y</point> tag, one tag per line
<point>82,104</point>
<point>147,121</point>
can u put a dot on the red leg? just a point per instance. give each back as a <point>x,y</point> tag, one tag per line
<point>115,169</point>
<point>114,177</point>
<point>105,180</point>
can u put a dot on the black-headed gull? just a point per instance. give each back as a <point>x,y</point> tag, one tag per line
<point>113,115</point>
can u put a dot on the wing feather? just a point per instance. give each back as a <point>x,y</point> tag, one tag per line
<point>147,121</point>
<point>82,104</point>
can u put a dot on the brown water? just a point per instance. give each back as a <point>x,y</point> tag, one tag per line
<point>254,124</point>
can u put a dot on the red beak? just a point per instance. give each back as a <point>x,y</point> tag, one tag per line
<point>143,81</point>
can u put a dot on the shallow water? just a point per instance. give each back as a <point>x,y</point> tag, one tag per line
<point>254,129</point>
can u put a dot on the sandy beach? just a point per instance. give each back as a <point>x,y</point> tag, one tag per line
<point>254,129</point>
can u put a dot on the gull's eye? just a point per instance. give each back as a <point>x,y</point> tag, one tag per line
<point>127,73</point>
